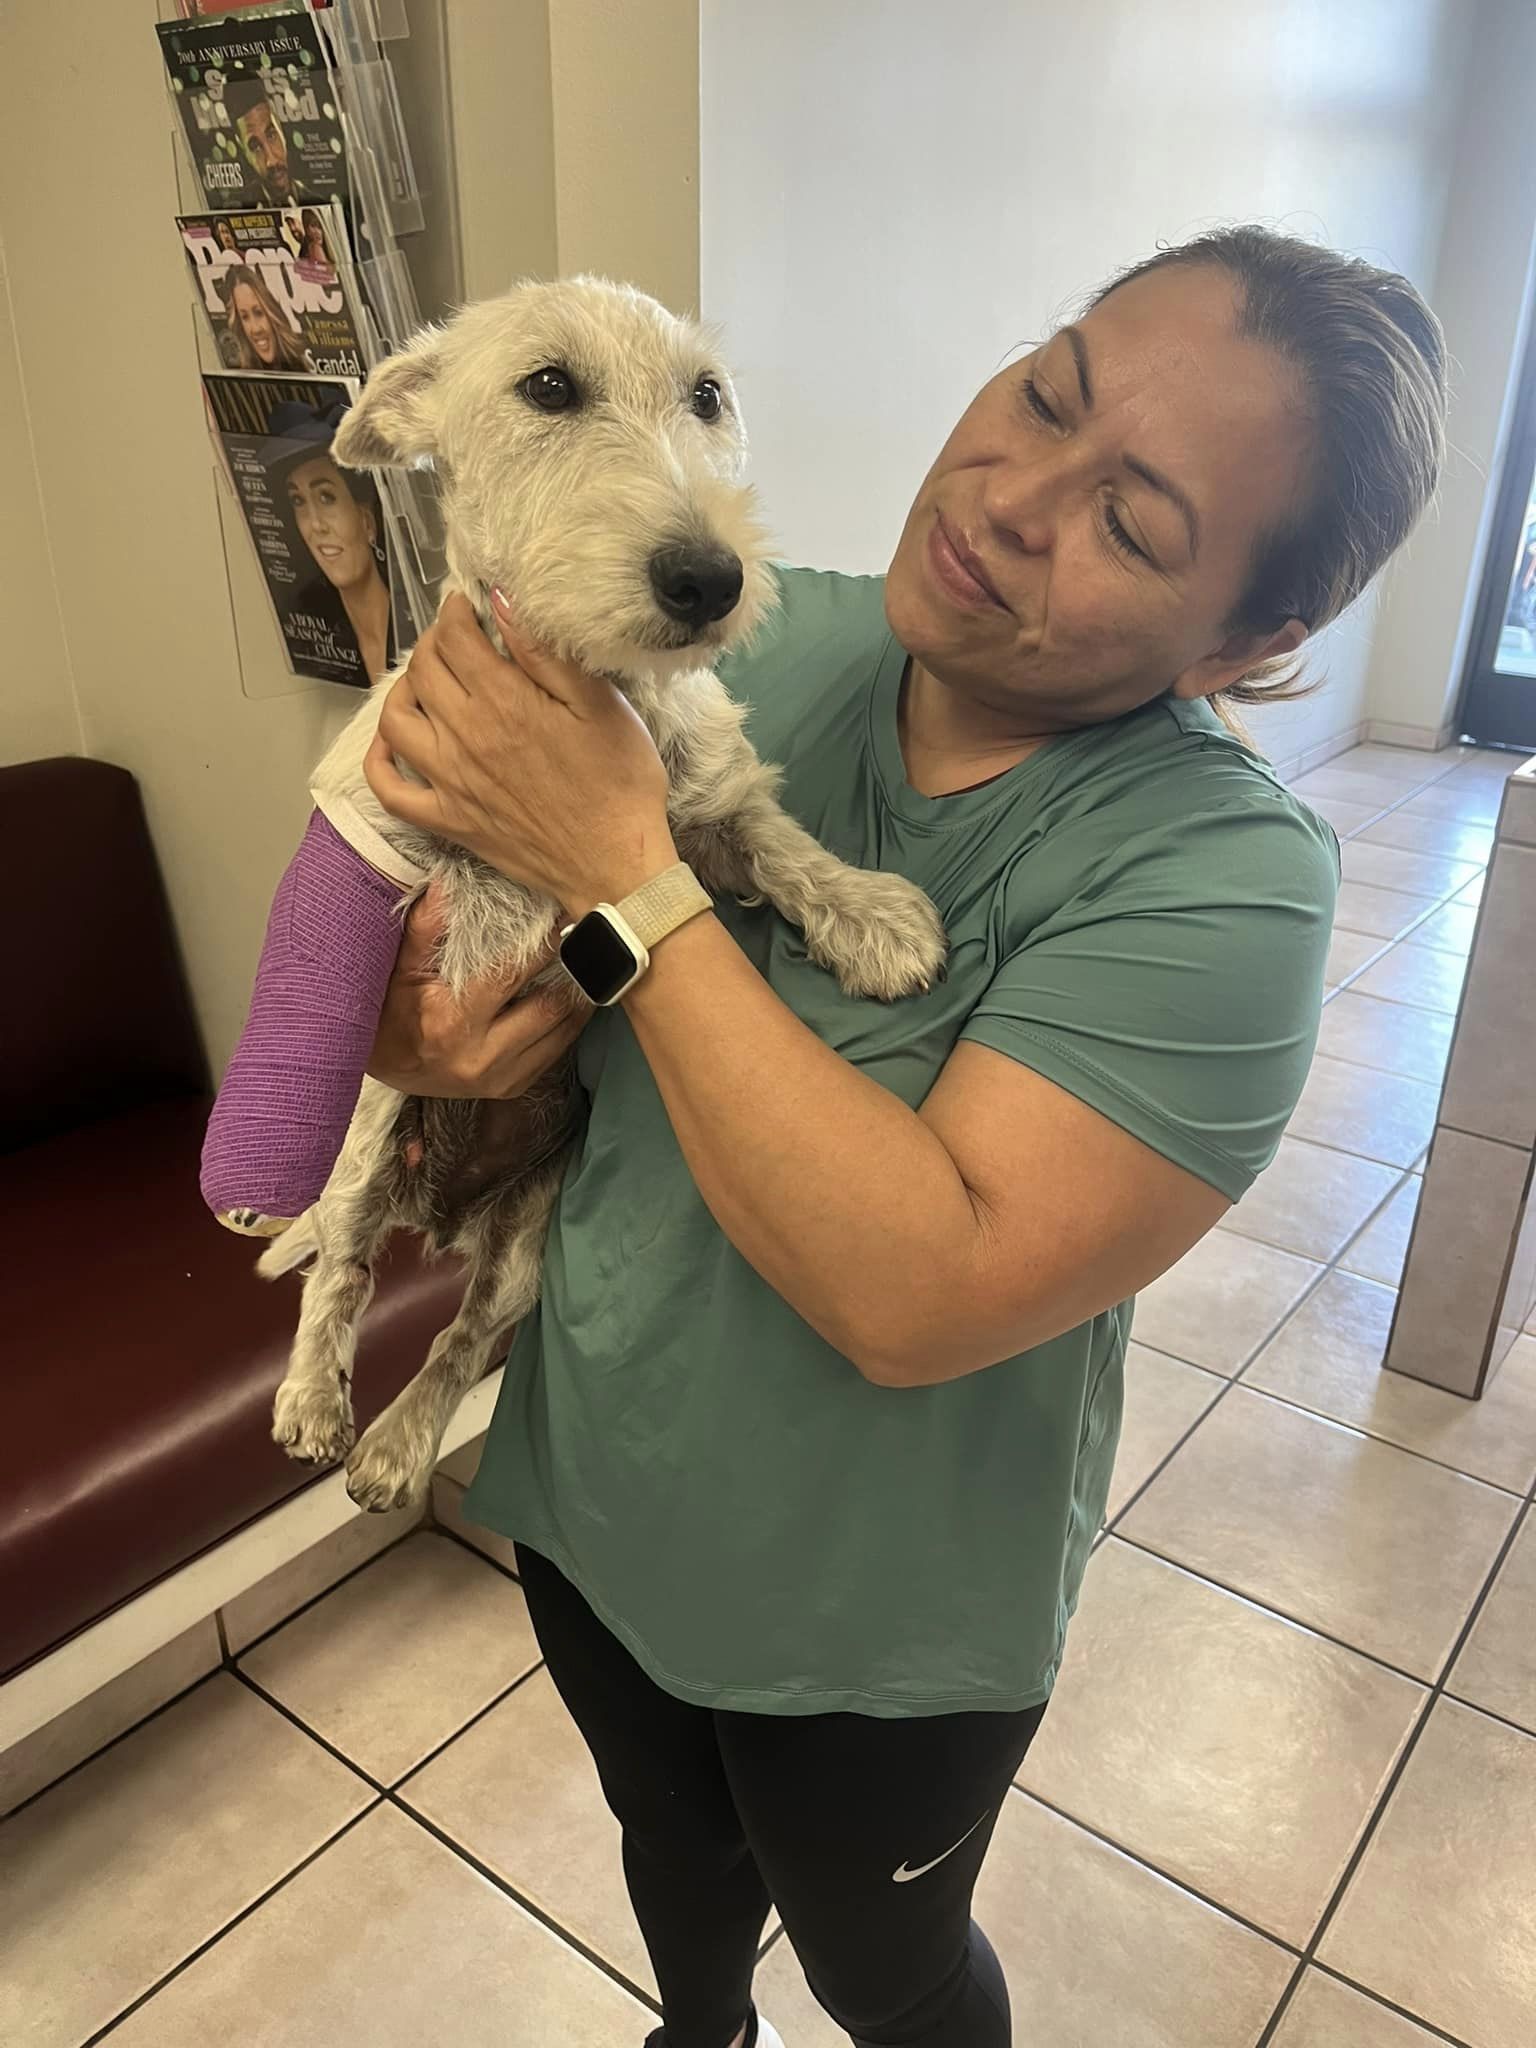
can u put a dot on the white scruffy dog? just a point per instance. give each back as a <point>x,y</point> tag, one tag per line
<point>589,450</point>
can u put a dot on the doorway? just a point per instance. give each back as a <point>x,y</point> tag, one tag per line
<point>1498,704</point>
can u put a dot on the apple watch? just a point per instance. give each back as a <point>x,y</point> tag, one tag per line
<point>606,952</point>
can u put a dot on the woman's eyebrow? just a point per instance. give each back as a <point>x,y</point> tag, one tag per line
<point>1172,492</point>
<point>1074,339</point>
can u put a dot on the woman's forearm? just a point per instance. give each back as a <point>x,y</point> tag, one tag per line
<point>831,1187</point>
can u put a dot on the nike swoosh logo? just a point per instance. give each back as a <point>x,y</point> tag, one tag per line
<point>905,1876</point>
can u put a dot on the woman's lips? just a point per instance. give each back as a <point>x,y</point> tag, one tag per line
<point>955,573</point>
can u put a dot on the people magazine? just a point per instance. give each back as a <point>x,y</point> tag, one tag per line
<point>276,289</point>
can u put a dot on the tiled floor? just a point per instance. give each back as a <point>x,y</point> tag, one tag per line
<point>1287,1790</point>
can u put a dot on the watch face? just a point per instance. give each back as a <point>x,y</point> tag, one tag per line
<point>597,959</point>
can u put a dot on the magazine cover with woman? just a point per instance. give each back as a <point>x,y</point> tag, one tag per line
<point>274,288</point>
<point>258,107</point>
<point>318,529</point>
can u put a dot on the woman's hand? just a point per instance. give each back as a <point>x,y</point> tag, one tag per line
<point>546,773</point>
<point>493,1042</point>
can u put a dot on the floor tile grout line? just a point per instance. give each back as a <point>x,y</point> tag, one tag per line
<point>1350,987</point>
<point>1378,1998</point>
<point>770,1944</point>
<point>1298,1977</point>
<point>231,1924</point>
<point>297,1720</point>
<point>1392,1073</point>
<point>1390,1443</point>
<point>1283,2004</point>
<point>1264,1606</point>
<point>112,1741</point>
<point>1343,1151</point>
<point>1112,1524</point>
<point>352,1572</point>
<point>430,1756</point>
<point>510,1891</point>
<point>478,1716</point>
<point>1146,1863</point>
<point>1399,1769</point>
<point>229,1660</point>
<point>1404,1174</point>
<point>1231,1379</point>
<point>383,1795</point>
<point>474,1550</point>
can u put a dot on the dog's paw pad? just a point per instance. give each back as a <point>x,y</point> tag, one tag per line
<point>382,1477</point>
<point>313,1423</point>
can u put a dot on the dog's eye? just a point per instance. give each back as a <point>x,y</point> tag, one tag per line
<point>551,390</point>
<point>706,399</point>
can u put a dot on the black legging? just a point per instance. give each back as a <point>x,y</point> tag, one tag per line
<point>866,1834</point>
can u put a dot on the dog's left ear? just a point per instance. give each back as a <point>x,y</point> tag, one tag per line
<point>394,423</point>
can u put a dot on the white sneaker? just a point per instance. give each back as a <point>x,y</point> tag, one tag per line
<point>766,2036</point>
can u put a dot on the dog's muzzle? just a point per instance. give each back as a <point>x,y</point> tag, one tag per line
<point>696,586</point>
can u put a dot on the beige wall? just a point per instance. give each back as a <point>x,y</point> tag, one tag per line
<point>1480,290</point>
<point>569,102</point>
<point>894,195</point>
<point>38,712</point>
<point>626,141</point>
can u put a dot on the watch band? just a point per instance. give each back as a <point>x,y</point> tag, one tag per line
<point>660,905</point>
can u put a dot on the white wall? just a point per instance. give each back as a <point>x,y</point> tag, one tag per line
<point>894,195</point>
<point>1480,290</point>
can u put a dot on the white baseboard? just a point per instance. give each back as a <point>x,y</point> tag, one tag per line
<point>1428,739</point>
<point>1330,750</point>
<point>146,1624</point>
<point>1288,766</point>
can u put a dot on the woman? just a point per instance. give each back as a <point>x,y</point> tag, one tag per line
<point>259,325</point>
<point>337,514</point>
<point>806,1446</point>
<point>313,248</point>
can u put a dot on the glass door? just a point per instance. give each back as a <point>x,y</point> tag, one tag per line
<point>1499,700</point>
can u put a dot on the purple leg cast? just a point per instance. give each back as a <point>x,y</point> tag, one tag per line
<point>293,1083</point>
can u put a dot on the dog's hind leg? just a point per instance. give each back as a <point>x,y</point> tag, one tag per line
<point>312,1412</point>
<point>393,1462</point>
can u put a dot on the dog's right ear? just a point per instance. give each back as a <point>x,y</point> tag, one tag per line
<point>393,425</point>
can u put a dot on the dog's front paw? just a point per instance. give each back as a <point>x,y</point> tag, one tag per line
<point>313,1421</point>
<point>253,1222</point>
<point>391,1467</point>
<point>880,936</point>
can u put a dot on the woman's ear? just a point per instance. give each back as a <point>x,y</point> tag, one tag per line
<point>1239,653</point>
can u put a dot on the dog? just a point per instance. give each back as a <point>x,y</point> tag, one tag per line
<point>589,450</point>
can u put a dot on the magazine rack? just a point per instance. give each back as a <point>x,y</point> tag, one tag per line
<point>389,218</point>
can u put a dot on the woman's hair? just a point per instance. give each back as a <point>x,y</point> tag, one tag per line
<point>1370,359</point>
<point>291,352</point>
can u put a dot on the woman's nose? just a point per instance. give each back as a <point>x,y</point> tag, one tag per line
<point>1021,502</point>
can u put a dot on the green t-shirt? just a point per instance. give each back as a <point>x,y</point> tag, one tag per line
<point>1140,913</point>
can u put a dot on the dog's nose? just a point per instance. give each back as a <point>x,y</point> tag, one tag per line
<point>696,585</point>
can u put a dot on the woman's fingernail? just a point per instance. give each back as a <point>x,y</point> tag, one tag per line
<point>499,598</point>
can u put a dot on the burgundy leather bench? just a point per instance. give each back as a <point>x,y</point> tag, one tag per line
<point>138,1350</point>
